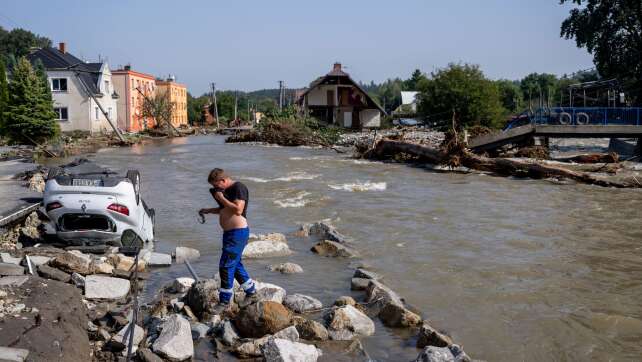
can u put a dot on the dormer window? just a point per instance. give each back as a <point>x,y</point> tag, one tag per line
<point>59,84</point>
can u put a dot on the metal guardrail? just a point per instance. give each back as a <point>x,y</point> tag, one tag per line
<point>579,116</point>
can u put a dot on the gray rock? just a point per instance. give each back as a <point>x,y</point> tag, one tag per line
<point>385,303</point>
<point>119,338</point>
<point>175,340</point>
<point>202,296</point>
<point>73,262</point>
<point>254,347</point>
<point>78,280</point>
<point>428,336</point>
<point>13,354</point>
<point>106,288</point>
<point>324,229</point>
<point>159,259</point>
<point>8,269</point>
<point>38,259</point>
<point>345,300</point>
<point>348,322</point>
<point>199,330</point>
<point>8,259</point>
<point>264,292</point>
<point>435,354</point>
<point>282,350</point>
<point>290,333</point>
<point>183,253</point>
<point>52,273</point>
<point>228,334</point>
<point>266,249</point>
<point>310,330</point>
<point>13,281</point>
<point>359,283</point>
<point>182,285</point>
<point>458,352</point>
<point>366,274</point>
<point>286,268</point>
<point>146,355</point>
<point>300,303</point>
<point>333,249</point>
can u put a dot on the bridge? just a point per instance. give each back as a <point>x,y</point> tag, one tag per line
<point>572,122</point>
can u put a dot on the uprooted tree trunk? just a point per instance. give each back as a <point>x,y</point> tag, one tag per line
<point>453,154</point>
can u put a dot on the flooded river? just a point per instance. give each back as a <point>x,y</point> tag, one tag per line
<point>514,270</point>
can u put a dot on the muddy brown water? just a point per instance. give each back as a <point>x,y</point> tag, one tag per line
<point>514,270</point>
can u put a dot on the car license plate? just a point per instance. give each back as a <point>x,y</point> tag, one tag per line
<point>86,182</point>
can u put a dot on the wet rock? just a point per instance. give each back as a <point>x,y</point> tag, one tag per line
<point>78,280</point>
<point>359,283</point>
<point>8,259</point>
<point>254,347</point>
<point>183,253</point>
<point>52,273</point>
<point>458,352</point>
<point>266,249</point>
<point>159,259</point>
<point>7,269</point>
<point>13,354</point>
<point>323,229</point>
<point>199,330</point>
<point>282,350</point>
<point>385,303</point>
<point>347,322</point>
<point>264,292</point>
<point>103,268</point>
<point>333,249</point>
<point>366,274</point>
<point>175,340</point>
<point>228,333</point>
<point>122,343</point>
<point>202,296</point>
<point>300,303</point>
<point>345,300</point>
<point>310,330</point>
<point>71,263</point>
<point>146,355</point>
<point>428,336</point>
<point>398,316</point>
<point>106,288</point>
<point>126,263</point>
<point>435,354</point>
<point>286,268</point>
<point>262,318</point>
<point>276,237</point>
<point>182,285</point>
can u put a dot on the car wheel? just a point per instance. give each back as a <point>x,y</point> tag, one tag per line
<point>134,177</point>
<point>54,172</point>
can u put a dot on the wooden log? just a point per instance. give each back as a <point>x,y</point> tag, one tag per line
<point>593,158</point>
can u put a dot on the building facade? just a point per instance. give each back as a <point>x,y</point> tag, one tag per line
<point>337,99</point>
<point>130,104</point>
<point>178,96</point>
<point>79,90</point>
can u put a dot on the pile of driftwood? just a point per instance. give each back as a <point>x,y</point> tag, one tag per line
<point>453,152</point>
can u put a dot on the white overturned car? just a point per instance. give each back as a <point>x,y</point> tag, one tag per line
<point>93,208</point>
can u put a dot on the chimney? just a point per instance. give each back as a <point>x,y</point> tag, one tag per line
<point>128,67</point>
<point>337,67</point>
<point>62,47</point>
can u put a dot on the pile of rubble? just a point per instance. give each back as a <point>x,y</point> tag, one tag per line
<point>410,134</point>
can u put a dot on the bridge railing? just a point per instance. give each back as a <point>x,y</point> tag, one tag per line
<point>580,116</point>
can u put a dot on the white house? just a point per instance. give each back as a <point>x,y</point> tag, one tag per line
<point>409,98</point>
<point>77,87</point>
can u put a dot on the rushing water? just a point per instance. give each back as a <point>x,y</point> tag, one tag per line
<point>514,270</point>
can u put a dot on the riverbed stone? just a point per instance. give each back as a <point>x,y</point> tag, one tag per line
<point>13,281</point>
<point>8,269</point>
<point>78,280</point>
<point>202,296</point>
<point>388,306</point>
<point>227,333</point>
<point>13,354</point>
<point>300,303</point>
<point>146,355</point>
<point>183,253</point>
<point>347,322</point>
<point>333,249</point>
<point>37,260</point>
<point>282,350</point>
<point>122,343</point>
<point>254,347</point>
<point>277,237</point>
<point>182,285</point>
<point>199,330</point>
<point>264,317</point>
<point>52,273</point>
<point>359,284</point>
<point>266,249</point>
<point>435,354</point>
<point>105,288</point>
<point>8,259</point>
<point>366,274</point>
<point>126,263</point>
<point>323,229</point>
<point>70,262</point>
<point>345,300</point>
<point>264,292</point>
<point>310,330</point>
<point>103,268</point>
<point>286,268</point>
<point>159,259</point>
<point>429,336</point>
<point>175,340</point>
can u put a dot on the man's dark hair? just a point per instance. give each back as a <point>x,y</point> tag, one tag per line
<point>216,175</point>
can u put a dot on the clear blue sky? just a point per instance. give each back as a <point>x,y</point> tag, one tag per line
<point>250,45</point>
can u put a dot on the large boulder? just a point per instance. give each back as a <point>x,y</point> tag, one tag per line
<point>175,340</point>
<point>266,249</point>
<point>359,284</point>
<point>282,350</point>
<point>286,268</point>
<point>264,292</point>
<point>388,305</point>
<point>262,318</point>
<point>334,249</point>
<point>435,354</point>
<point>70,262</point>
<point>366,274</point>
<point>347,322</point>
<point>300,303</point>
<point>428,336</point>
<point>183,253</point>
<point>324,229</point>
<point>106,288</point>
<point>310,330</point>
<point>202,296</point>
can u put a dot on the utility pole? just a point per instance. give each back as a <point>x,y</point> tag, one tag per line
<point>236,103</point>
<point>280,95</point>
<point>215,105</point>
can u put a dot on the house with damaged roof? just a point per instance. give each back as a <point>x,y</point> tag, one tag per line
<point>336,98</point>
<point>79,89</point>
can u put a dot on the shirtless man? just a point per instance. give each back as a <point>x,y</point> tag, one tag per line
<point>232,198</point>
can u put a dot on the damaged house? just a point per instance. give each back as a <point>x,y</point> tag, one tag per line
<point>337,99</point>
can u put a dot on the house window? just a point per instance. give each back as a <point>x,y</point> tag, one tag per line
<point>59,84</point>
<point>107,87</point>
<point>61,114</point>
<point>97,114</point>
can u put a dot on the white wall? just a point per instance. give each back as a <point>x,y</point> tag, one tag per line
<point>74,99</point>
<point>319,95</point>
<point>370,118</point>
<point>102,125</point>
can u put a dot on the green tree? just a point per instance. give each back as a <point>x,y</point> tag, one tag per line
<point>510,95</point>
<point>4,95</point>
<point>159,107</point>
<point>540,87</point>
<point>17,42</point>
<point>195,108</point>
<point>416,77</point>
<point>465,90</point>
<point>611,30</point>
<point>29,115</point>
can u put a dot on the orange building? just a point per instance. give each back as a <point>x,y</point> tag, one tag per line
<point>178,96</point>
<point>130,105</point>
